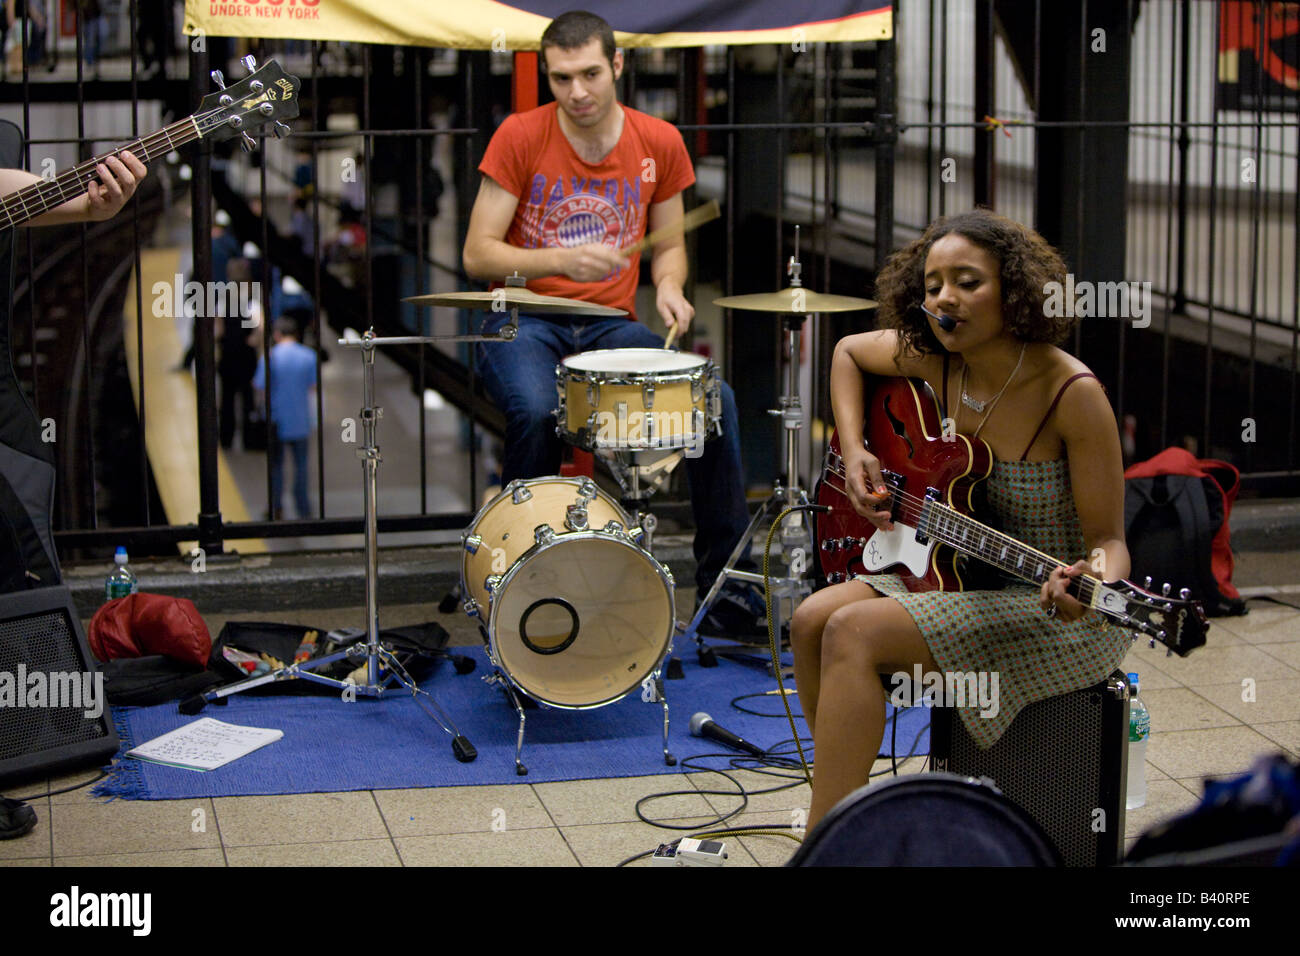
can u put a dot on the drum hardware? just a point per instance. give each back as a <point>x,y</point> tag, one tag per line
<point>371,651</point>
<point>795,303</point>
<point>576,615</point>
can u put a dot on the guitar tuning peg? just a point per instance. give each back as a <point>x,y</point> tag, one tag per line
<point>1147,583</point>
<point>1184,593</point>
<point>1164,590</point>
<point>247,143</point>
<point>1152,644</point>
<point>218,78</point>
<point>282,130</point>
<point>250,63</point>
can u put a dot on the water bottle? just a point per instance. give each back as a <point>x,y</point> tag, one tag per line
<point>1139,728</point>
<point>121,581</point>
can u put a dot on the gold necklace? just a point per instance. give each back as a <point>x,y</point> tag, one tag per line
<point>993,402</point>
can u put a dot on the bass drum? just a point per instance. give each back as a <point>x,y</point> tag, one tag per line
<point>577,613</point>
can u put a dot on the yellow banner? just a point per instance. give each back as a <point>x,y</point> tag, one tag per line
<point>506,28</point>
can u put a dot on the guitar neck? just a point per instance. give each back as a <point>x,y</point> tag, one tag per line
<point>39,198</point>
<point>1002,551</point>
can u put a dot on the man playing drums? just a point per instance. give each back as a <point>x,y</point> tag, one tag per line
<point>566,189</point>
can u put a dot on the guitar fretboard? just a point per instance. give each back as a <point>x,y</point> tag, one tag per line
<point>993,547</point>
<point>39,198</point>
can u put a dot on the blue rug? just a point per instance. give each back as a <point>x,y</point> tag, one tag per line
<point>392,743</point>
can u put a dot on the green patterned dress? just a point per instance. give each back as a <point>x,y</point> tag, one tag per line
<point>1006,631</point>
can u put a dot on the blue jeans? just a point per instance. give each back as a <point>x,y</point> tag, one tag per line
<point>298,446</point>
<point>520,377</point>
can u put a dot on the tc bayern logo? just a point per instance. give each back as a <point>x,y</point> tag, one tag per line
<point>582,219</point>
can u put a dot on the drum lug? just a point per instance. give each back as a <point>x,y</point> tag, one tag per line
<point>543,534</point>
<point>697,388</point>
<point>575,518</point>
<point>648,395</point>
<point>471,608</point>
<point>491,583</point>
<point>519,492</point>
<point>593,394</point>
<point>614,527</point>
<point>592,430</point>
<point>471,542</point>
<point>587,489</point>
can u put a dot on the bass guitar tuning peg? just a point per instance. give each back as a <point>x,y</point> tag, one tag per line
<point>247,143</point>
<point>219,79</point>
<point>250,63</point>
<point>282,130</point>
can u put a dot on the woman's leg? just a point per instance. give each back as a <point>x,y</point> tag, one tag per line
<point>806,639</point>
<point>860,641</point>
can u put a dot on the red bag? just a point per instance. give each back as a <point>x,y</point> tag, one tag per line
<point>141,624</point>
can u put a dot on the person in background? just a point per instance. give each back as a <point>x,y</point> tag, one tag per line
<point>293,388</point>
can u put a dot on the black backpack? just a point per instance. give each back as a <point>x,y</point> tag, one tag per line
<point>1176,528</point>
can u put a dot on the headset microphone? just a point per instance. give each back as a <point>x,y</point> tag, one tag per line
<point>945,323</point>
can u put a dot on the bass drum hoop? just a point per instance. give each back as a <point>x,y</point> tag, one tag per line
<point>494,648</point>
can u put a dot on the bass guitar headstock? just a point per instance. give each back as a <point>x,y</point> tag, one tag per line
<point>1176,622</point>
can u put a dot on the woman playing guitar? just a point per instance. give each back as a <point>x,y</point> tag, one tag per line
<point>963,308</point>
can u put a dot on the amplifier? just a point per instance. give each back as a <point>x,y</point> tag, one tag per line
<point>1063,760</point>
<point>53,712</point>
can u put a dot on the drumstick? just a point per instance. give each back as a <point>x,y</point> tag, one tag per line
<point>692,220</point>
<point>668,342</point>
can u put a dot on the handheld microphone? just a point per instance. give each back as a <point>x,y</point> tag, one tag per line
<point>945,323</point>
<point>702,725</point>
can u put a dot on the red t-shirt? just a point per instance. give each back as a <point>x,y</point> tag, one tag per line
<point>564,201</point>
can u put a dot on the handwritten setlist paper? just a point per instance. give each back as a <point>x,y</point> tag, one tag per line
<point>204,745</point>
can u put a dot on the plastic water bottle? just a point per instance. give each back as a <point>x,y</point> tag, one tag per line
<point>1139,729</point>
<point>120,581</point>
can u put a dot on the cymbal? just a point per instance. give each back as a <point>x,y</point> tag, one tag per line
<point>509,296</point>
<point>796,299</point>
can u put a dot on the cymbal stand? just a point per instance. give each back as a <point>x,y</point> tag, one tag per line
<point>372,652</point>
<point>785,494</point>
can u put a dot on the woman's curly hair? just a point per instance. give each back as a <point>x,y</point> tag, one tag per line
<point>1027,262</point>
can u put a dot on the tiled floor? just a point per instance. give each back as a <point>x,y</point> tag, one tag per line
<point>1212,713</point>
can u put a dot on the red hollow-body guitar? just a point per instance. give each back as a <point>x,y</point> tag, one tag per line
<point>932,481</point>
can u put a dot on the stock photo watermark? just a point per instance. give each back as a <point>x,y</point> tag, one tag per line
<point>54,689</point>
<point>1101,300</point>
<point>210,300</point>
<point>946,689</point>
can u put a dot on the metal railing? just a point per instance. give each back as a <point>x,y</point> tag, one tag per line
<point>859,173</point>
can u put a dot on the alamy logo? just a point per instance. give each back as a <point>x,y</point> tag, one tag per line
<point>948,689</point>
<point>53,689</point>
<point>208,300</point>
<point>75,908</point>
<point>1102,300</point>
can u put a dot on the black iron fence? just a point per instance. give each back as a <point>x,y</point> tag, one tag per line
<point>1005,103</point>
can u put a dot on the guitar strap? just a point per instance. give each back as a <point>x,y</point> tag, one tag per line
<point>943,399</point>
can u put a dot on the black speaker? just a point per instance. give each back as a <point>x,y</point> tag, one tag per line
<point>54,715</point>
<point>1063,760</point>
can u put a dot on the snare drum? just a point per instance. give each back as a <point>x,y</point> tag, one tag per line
<point>637,400</point>
<point>577,614</point>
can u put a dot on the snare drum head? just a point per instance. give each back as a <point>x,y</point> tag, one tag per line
<point>634,361</point>
<point>581,621</point>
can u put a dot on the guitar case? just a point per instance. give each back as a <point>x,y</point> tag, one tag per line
<point>27,464</point>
